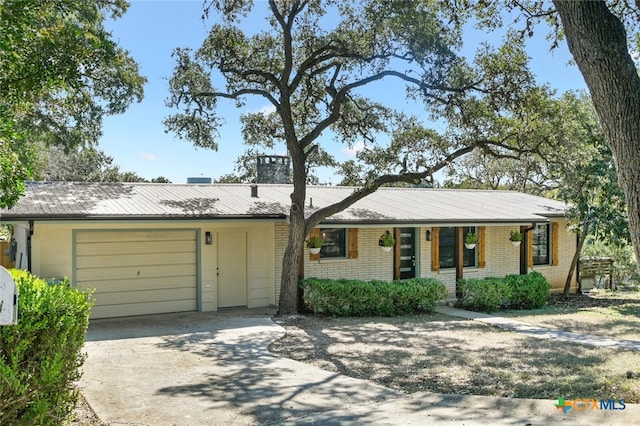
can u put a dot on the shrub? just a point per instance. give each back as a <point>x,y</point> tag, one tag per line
<point>528,291</point>
<point>371,298</point>
<point>40,356</point>
<point>515,291</point>
<point>486,295</point>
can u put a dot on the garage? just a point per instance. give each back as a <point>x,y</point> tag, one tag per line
<point>137,272</point>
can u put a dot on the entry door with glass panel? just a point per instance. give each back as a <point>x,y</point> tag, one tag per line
<point>405,254</point>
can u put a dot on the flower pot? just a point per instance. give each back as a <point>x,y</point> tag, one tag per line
<point>314,250</point>
<point>515,243</point>
<point>386,249</point>
<point>470,246</point>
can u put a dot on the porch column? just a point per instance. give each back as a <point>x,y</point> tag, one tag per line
<point>459,253</point>
<point>524,250</point>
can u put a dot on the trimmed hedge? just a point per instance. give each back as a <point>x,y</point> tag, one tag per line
<point>371,298</point>
<point>513,291</point>
<point>486,295</point>
<point>40,357</point>
<point>528,291</point>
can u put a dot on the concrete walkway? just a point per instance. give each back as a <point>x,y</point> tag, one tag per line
<point>541,332</point>
<point>216,369</point>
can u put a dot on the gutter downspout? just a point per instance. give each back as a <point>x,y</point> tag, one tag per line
<point>29,245</point>
<point>524,248</point>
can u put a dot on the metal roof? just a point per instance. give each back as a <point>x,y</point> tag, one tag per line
<point>80,200</point>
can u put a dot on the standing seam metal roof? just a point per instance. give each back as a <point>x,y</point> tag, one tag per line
<point>65,200</point>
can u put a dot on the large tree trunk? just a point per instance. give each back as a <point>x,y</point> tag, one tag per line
<point>598,43</point>
<point>576,258</point>
<point>297,232</point>
<point>290,266</point>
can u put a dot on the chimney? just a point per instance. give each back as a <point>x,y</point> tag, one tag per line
<point>254,191</point>
<point>274,169</point>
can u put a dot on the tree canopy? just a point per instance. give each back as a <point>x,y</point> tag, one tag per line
<point>60,73</point>
<point>318,63</point>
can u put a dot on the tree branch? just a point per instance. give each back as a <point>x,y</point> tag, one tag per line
<point>238,93</point>
<point>369,188</point>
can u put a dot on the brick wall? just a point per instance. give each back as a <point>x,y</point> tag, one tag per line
<point>502,259</point>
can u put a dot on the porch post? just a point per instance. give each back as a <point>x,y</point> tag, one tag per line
<point>459,253</point>
<point>524,250</point>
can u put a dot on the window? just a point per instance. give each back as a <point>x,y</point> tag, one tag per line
<point>541,245</point>
<point>448,248</point>
<point>335,242</point>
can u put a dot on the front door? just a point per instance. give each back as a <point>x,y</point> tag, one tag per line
<point>232,269</point>
<point>405,253</point>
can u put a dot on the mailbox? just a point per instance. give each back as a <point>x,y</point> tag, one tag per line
<point>8,299</point>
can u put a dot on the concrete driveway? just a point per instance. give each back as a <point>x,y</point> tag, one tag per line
<point>215,369</point>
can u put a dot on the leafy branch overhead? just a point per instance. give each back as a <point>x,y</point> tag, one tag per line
<point>323,68</point>
<point>60,73</point>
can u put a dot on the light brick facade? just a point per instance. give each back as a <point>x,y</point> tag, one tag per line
<point>501,257</point>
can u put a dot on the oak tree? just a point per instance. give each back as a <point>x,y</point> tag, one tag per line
<point>60,73</point>
<point>321,65</point>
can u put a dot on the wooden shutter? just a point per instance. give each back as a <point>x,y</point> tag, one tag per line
<point>435,249</point>
<point>481,249</point>
<point>554,243</point>
<point>314,233</point>
<point>353,243</point>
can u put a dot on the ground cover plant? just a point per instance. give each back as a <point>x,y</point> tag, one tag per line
<point>40,356</point>
<point>438,353</point>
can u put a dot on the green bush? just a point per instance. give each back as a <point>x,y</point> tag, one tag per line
<point>514,291</point>
<point>40,357</point>
<point>528,291</point>
<point>371,298</point>
<point>486,295</point>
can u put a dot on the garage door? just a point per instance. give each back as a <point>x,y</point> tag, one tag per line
<point>137,272</point>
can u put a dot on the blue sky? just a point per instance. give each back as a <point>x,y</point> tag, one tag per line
<point>150,30</point>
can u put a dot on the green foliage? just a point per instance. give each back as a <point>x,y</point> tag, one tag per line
<point>528,291</point>
<point>60,73</point>
<point>471,238</point>
<point>40,357</point>
<point>515,236</point>
<point>491,294</point>
<point>486,295</point>
<point>387,240</point>
<point>371,298</point>
<point>314,242</point>
<point>625,267</point>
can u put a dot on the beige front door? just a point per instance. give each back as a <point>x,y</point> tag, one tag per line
<point>232,269</point>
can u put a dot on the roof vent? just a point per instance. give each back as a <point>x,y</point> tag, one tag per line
<point>254,191</point>
<point>194,180</point>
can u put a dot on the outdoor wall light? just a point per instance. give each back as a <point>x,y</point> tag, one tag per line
<point>208,238</point>
<point>428,235</point>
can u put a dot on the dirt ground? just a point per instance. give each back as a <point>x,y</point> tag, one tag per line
<point>436,353</point>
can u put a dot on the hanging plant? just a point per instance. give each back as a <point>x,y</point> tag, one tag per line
<point>314,244</point>
<point>516,238</point>
<point>470,240</point>
<point>386,242</point>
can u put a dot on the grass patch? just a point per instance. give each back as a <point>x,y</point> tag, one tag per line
<point>441,354</point>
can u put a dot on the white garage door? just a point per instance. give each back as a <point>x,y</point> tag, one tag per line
<point>137,272</point>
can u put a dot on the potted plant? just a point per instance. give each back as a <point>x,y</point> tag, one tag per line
<point>314,244</point>
<point>516,238</point>
<point>470,240</point>
<point>386,242</point>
